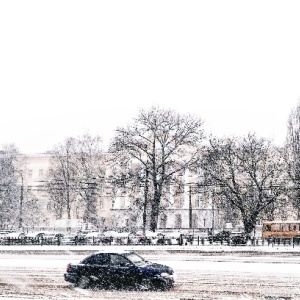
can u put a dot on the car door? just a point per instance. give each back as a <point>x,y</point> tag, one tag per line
<point>122,271</point>
<point>97,268</point>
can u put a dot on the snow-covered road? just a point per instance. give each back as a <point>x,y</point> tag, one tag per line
<point>273,276</point>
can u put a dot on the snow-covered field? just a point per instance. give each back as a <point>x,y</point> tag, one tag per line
<point>270,274</point>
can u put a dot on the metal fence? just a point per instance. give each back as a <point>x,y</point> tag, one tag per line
<point>197,241</point>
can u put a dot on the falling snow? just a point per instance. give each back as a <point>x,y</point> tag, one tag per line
<point>223,274</point>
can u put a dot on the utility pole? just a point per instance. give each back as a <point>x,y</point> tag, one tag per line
<point>145,201</point>
<point>21,202</point>
<point>190,208</point>
<point>21,198</point>
<point>213,213</point>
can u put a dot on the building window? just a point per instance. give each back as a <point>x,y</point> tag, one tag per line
<point>101,204</point>
<point>178,221</point>
<point>199,200</point>
<point>181,202</point>
<point>40,173</point>
<point>163,221</point>
<point>195,221</point>
<point>29,173</point>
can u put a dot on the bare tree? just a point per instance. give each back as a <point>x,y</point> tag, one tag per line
<point>248,172</point>
<point>32,214</point>
<point>164,143</point>
<point>90,174</point>
<point>292,157</point>
<point>61,178</point>
<point>132,181</point>
<point>10,190</point>
<point>76,177</point>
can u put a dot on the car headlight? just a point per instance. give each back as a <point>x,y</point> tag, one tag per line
<point>165,275</point>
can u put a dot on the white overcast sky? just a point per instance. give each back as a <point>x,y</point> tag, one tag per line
<point>70,67</point>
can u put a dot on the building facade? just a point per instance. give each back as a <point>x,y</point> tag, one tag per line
<point>187,206</point>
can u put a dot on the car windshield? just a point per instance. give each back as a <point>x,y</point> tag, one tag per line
<point>134,258</point>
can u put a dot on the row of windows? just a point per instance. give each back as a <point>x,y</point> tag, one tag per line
<point>178,222</point>
<point>30,173</point>
<point>199,198</point>
<point>101,205</point>
<point>199,202</point>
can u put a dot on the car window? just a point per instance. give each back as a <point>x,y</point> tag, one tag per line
<point>135,258</point>
<point>118,260</point>
<point>99,259</point>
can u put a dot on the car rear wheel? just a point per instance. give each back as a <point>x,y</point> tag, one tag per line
<point>83,282</point>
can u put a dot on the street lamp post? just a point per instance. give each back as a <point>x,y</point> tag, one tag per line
<point>213,218</point>
<point>213,213</point>
<point>21,202</point>
<point>145,201</point>
<point>190,208</point>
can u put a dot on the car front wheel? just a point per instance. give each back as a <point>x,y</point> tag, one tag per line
<point>145,285</point>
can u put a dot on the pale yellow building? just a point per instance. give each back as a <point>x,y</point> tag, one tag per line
<point>192,207</point>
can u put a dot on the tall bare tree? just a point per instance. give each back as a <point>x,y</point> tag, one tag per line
<point>292,157</point>
<point>76,177</point>
<point>10,189</point>
<point>131,180</point>
<point>32,214</point>
<point>248,172</point>
<point>61,178</point>
<point>164,143</point>
<point>90,174</point>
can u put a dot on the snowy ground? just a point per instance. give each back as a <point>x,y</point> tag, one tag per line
<point>238,273</point>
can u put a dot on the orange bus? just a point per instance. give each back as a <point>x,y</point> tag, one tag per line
<point>278,229</point>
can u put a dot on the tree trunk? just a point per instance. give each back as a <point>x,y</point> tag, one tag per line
<point>155,210</point>
<point>249,223</point>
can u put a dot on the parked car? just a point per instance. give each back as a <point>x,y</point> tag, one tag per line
<point>135,238</point>
<point>13,238</point>
<point>111,233</point>
<point>3,235</point>
<point>84,232</point>
<point>122,238</point>
<point>151,237</point>
<point>94,238</point>
<point>52,238</point>
<point>171,238</point>
<point>139,238</point>
<point>72,239</point>
<point>15,235</point>
<point>34,237</point>
<point>6,231</point>
<point>220,237</point>
<point>109,237</point>
<point>238,238</point>
<point>121,269</point>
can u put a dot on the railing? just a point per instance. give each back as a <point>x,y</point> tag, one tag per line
<point>198,241</point>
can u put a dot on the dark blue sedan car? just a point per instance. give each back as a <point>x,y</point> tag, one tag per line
<point>122,269</point>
